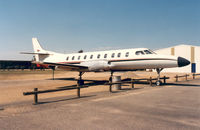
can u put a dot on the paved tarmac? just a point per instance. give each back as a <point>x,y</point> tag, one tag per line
<point>174,107</point>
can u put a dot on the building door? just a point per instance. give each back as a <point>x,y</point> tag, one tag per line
<point>193,68</point>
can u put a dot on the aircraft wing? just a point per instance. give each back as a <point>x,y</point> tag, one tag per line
<point>67,66</point>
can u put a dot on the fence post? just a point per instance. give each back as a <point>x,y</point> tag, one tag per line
<point>35,96</point>
<point>110,87</point>
<point>193,76</point>
<point>110,82</point>
<point>164,79</point>
<point>78,88</point>
<point>176,78</point>
<point>132,83</point>
<point>150,81</point>
<point>53,74</point>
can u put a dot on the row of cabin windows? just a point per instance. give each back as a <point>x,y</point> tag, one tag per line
<point>99,55</point>
<point>142,52</point>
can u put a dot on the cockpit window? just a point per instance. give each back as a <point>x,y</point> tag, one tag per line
<point>152,51</point>
<point>139,53</point>
<point>147,52</point>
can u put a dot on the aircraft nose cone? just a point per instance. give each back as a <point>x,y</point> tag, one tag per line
<point>182,62</point>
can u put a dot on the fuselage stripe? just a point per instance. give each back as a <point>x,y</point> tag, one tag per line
<point>121,60</point>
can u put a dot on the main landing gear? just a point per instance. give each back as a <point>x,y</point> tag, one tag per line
<point>158,82</point>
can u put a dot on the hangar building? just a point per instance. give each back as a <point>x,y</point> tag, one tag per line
<point>16,64</point>
<point>191,53</point>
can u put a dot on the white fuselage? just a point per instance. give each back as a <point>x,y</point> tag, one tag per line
<point>115,60</point>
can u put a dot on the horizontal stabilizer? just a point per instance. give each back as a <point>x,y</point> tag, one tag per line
<point>33,53</point>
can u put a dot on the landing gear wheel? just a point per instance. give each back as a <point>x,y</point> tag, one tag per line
<point>158,83</point>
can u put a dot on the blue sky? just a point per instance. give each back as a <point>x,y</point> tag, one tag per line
<point>70,25</point>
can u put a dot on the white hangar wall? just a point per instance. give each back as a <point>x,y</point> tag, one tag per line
<point>197,58</point>
<point>191,53</point>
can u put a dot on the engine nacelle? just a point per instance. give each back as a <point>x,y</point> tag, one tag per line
<point>100,65</point>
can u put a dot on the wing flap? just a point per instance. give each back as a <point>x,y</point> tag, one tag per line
<point>66,66</point>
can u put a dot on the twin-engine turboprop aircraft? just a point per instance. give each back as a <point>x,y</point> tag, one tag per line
<point>113,60</point>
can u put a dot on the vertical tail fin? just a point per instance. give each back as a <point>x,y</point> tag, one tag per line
<point>42,54</point>
<point>39,53</point>
<point>36,46</point>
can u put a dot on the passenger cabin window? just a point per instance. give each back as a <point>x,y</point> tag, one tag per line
<point>119,54</point>
<point>105,56</point>
<point>98,56</point>
<point>139,53</point>
<point>127,54</point>
<point>113,55</point>
<point>79,57</point>
<point>91,56</point>
<point>148,52</point>
<point>85,56</point>
<point>73,58</point>
<point>67,58</point>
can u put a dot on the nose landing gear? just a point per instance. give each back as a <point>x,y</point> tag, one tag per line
<point>158,82</point>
